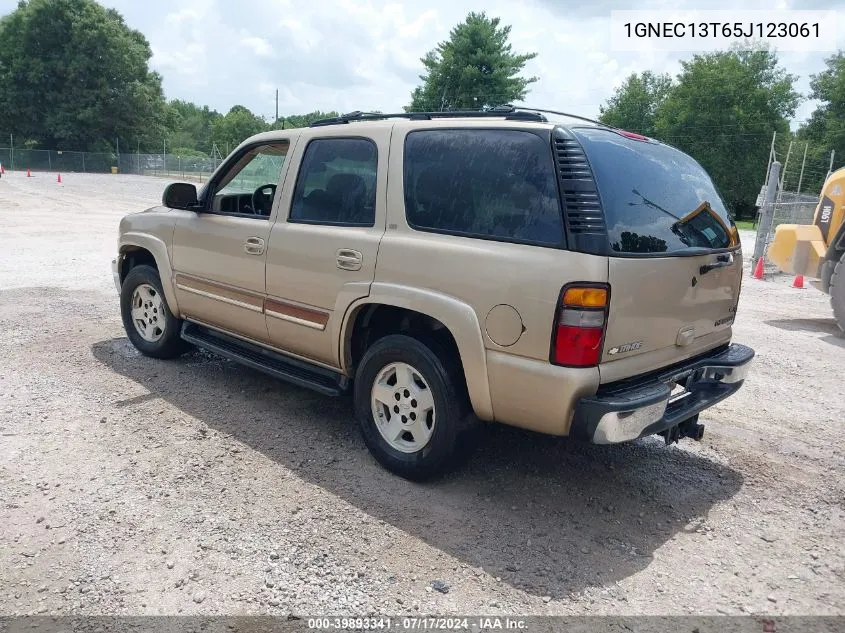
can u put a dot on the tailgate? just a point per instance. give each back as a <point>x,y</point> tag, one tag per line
<point>667,306</point>
<point>674,264</point>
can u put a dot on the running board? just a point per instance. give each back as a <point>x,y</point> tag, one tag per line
<point>292,370</point>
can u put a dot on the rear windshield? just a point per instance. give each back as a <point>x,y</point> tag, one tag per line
<point>656,199</point>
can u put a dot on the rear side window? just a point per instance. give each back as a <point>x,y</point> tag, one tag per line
<point>337,183</point>
<point>656,199</point>
<point>494,184</point>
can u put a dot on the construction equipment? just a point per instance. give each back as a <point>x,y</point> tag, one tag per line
<point>818,250</point>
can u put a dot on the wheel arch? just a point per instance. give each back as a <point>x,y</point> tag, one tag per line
<point>457,317</point>
<point>137,248</point>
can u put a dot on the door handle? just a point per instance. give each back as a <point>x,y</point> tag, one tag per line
<point>722,261</point>
<point>254,246</point>
<point>348,259</point>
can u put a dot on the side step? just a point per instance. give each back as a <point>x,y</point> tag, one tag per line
<point>292,370</point>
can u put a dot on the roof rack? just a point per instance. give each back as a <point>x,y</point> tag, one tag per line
<point>571,116</point>
<point>508,112</point>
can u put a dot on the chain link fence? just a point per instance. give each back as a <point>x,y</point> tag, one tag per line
<point>792,208</point>
<point>170,165</point>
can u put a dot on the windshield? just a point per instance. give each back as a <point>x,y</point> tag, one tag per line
<point>656,199</point>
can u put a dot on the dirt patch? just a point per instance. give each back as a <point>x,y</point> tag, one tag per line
<point>134,486</point>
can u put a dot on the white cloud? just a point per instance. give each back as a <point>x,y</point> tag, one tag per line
<point>258,45</point>
<point>365,54</point>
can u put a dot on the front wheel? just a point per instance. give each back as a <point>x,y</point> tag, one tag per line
<point>147,319</point>
<point>411,404</point>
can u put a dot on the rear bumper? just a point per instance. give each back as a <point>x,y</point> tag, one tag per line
<point>629,409</point>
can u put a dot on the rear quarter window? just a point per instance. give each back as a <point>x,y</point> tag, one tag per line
<point>492,184</point>
<point>656,199</point>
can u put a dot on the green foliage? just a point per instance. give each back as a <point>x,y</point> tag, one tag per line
<point>475,68</point>
<point>634,105</point>
<point>722,111</point>
<point>74,76</point>
<point>189,126</point>
<point>186,152</point>
<point>825,129</point>
<point>238,125</point>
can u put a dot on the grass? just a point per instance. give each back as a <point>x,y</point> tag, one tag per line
<point>747,225</point>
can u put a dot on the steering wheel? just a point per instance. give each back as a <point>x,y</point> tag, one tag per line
<point>262,199</point>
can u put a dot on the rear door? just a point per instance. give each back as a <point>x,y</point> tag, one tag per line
<point>675,264</point>
<point>322,250</point>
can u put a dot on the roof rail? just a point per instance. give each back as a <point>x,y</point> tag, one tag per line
<point>572,116</point>
<point>508,112</point>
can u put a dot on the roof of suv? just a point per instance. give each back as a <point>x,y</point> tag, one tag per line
<point>506,113</point>
<point>504,116</point>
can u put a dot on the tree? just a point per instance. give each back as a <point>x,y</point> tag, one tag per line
<point>190,126</point>
<point>302,120</point>
<point>238,124</point>
<point>722,111</point>
<point>634,105</point>
<point>74,76</point>
<point>475,68</point>
<point>825,129</point>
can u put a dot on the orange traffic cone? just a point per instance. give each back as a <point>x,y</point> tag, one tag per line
<point>28,173</point>
<point>59,179</point>
<point>799,282</point>
<point>758,269</point>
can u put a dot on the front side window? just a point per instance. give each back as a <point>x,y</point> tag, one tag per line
<point>337,183</point>
<point>493,184</point>
<point>249,186</point>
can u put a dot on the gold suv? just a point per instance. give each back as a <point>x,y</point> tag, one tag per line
<point>517,266</point>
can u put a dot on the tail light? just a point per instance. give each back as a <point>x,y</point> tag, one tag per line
<point>580,324</point>
<point>632,135</point>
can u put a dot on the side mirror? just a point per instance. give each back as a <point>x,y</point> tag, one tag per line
<point>180,195</point>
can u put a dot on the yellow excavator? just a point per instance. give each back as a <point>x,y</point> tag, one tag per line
<point>817,250</point>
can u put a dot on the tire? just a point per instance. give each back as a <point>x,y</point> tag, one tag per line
<point>414,453</point>
<point>837,293</point>
<point>163,330</point>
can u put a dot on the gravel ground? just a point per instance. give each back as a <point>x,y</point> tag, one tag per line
<point>135,486</point>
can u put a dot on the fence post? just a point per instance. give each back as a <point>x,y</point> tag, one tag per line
<point>801,177</point>
<point>767,212</point>
<point>785,167</point>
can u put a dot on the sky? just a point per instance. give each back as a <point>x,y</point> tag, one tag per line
<point>349,55</point>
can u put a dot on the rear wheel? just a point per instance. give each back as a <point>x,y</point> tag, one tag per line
<point>147,318</point>
<point>837,293</point>
<point>411,404</point>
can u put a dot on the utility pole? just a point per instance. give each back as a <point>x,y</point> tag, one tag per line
<point>767,212</point>
<point>117,152</point>
<point>785,165</point>
<point>771,154</point>
<point>164,165</point>
<point>11,151</point>
<point>277,107</point>
<point>801,177</point>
